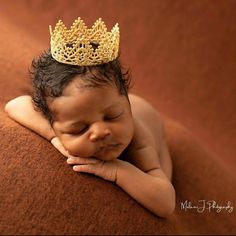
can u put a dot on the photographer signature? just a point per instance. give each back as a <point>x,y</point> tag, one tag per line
<point>204,205</point>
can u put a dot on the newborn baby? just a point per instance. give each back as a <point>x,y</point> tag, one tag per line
<point>88,115</point>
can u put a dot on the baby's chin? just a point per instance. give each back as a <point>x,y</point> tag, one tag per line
<point>109,155</point>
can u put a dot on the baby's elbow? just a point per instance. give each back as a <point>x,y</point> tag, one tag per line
<point>8,107</point>
<point>14,104</point>
<point>168,207</point>
<point>168,211</point>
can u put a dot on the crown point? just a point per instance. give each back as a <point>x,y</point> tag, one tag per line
<point>50,29</point>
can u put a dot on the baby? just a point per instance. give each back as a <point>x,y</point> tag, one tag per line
<point>83,108</point>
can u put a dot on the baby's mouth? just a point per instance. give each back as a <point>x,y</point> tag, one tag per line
<point>107,147</point>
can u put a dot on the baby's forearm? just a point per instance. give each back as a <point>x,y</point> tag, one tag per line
<point>21,110</point>
<point>154,193</point>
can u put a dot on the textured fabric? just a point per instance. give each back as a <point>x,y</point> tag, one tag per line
<point>182,55</point>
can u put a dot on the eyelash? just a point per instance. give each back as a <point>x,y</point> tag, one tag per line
<point>112,117</point>
<point>80,132</point>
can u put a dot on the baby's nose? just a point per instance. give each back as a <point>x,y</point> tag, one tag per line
<point>99,132</point>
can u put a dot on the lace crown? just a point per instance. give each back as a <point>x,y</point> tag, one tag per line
<point>82,46</point>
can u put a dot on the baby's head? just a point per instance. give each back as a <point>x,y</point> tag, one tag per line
<point>87,106</point>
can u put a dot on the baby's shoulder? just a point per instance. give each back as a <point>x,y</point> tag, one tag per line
<point>137,101</point>
<point>143,109</point>
<point>145,146</point>
<point>148,121</point>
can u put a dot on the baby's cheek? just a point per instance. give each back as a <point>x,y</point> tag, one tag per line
<point>125,132</point>
<point>78,147</point>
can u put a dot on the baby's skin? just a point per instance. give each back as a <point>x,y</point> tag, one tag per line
<point>103,133</point>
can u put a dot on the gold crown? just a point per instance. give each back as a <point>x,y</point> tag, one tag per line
<point>82,46</point>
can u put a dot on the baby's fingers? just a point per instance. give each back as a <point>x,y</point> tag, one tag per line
<point>91,169</point>
<point>58,145</point>
<point>82,160</point>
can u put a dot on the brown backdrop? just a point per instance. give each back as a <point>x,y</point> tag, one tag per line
<point>182,55</point>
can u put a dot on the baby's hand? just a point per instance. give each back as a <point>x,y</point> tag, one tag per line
<point>58,145</point>
<point>104,169</point>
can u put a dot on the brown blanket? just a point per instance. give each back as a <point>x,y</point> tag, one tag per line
<point>182,55</point>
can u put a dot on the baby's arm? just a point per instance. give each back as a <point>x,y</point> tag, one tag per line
<point>21,109</point>
<point>151,188</point>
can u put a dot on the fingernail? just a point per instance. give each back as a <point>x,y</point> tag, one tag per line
<point>75,168</point>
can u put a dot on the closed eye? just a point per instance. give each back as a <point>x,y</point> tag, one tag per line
<point>80,131</point>
<point>113,117</point>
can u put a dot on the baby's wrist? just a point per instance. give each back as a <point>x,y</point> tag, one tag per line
<point>49,134</point>
<point>123,166</point>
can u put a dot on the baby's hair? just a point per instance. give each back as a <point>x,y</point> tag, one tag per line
<point>49,78</point>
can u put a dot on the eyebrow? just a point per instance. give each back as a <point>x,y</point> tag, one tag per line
<point>113,105</point>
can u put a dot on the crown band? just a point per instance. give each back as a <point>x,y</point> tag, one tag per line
<point>82,46</point>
